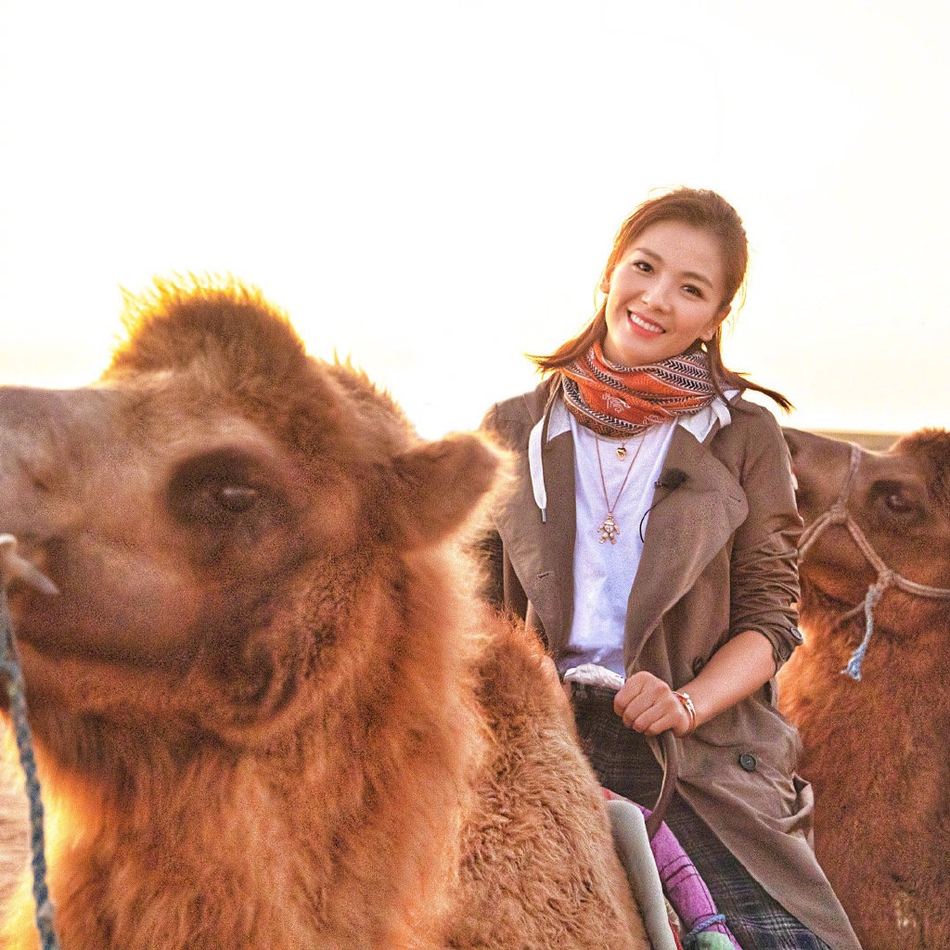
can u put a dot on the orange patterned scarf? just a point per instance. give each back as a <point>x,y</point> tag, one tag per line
<point>624,400</point>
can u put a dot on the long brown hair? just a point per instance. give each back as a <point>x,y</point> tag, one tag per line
<point>706,211</point>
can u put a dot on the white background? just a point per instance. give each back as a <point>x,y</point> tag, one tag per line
<point>433,187</point>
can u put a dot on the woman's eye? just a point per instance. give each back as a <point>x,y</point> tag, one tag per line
<point>644,266</point>
<point>693,291</point>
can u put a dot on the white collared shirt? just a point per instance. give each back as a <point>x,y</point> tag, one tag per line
<point>603,572</point>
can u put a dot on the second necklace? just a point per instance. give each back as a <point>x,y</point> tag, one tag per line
<point>609,529</point>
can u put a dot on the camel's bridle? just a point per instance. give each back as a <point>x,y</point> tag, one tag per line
<point>14,566</point>
<point>838,514</point>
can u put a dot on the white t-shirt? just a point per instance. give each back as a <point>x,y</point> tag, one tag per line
<point>604,571</point>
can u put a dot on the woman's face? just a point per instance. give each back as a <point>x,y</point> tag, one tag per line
<point>664,294</point>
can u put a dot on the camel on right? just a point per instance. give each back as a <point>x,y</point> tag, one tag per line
<point>868,689</point>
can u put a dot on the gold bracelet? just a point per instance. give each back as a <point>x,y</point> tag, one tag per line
<point>687,704</point>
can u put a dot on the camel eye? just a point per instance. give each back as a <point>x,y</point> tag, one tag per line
<point>218,502</point>
<point>237,498</point>
<point>219,490</point>
<point>897,503</point>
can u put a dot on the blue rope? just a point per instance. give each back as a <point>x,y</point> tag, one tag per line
<point>702,925</point>
<point>853,669</point>
<point>9,664</point>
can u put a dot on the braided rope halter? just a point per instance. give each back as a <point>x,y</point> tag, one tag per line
<point>12,565</point>
<point>838,514</point>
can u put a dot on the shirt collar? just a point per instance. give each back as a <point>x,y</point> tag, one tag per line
<point>556,422</point>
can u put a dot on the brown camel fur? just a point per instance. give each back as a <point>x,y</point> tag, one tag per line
<point>14,839</point>
<point>876,750</point>
<point>270,709</point>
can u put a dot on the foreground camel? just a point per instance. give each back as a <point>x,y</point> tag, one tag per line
<point>270,711</point>
<point>876,748</point>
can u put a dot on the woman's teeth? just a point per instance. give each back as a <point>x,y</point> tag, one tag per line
<point>644,324</point>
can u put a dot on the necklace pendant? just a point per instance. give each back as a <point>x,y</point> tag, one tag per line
<point>621,451</point>
<point>609,529</point>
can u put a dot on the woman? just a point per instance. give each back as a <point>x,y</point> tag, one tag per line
<point>650,539</point>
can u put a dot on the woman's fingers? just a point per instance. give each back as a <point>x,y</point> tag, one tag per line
<point>646,704</point>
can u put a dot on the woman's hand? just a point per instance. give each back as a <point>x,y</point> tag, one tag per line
<point>736,670</point>
<point>646,704</point>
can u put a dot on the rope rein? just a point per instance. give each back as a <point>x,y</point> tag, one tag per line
<point>11,565</point>
<point>838,514</point>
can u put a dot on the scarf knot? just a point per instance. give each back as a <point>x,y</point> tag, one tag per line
<point>623,401</point>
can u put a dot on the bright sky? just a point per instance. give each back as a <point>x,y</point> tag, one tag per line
<point>432,186</point>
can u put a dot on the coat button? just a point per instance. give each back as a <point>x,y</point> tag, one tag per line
<point>747,761</point>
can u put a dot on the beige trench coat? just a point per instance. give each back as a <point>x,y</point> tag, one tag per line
<point>719,557</point>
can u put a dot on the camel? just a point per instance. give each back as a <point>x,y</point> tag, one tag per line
<point>867,689</point>
<point>270,707</point>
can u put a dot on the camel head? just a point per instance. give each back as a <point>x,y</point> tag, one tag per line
<point>899,501</point>
<point>214,487</point>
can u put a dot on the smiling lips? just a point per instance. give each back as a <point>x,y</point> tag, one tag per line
<point>642,323</point>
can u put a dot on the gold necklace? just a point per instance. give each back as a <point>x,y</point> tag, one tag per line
<point>609,529</point>
<point>621,449</point>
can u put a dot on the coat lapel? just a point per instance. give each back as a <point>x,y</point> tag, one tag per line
<point>687,527</point>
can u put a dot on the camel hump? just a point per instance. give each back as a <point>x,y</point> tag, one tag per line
<point>932,447</point>
<point>207,318</point>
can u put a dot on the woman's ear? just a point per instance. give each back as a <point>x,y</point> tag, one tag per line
<point>604,284</point>
<point>714,324</point>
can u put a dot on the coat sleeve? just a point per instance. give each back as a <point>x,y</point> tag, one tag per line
<point>764,561</point>
<point>489,546</point>
<point>501,585</point>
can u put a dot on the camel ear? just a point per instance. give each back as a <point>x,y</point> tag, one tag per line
<point>438,486</point>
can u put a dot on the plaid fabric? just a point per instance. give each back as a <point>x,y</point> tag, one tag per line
<point>624,764</point>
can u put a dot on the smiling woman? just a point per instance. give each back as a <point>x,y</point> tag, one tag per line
<point>650,542</point>
<point>707,256</point>
<point>665,294</point>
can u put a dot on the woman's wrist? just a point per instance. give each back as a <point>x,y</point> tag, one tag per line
<point>687,703</point>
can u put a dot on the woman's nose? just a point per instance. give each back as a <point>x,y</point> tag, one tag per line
<point>657,296</point>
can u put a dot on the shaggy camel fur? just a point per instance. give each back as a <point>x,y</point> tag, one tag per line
<point>14,845</point>
<point>876,749</point>
<point>270,709</point>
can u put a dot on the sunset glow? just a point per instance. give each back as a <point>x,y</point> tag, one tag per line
<point>432,187</point>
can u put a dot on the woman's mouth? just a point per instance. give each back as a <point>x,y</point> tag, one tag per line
<point>648,326</point>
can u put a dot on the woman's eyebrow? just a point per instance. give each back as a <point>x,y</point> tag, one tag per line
<point>690,275</point>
